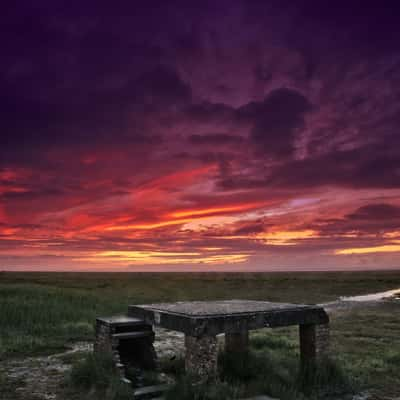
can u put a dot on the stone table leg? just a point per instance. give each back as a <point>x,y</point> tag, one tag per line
<point>237,342</point>
<point>201,356</point>
<point>314,344</point>
<point>103,342</point>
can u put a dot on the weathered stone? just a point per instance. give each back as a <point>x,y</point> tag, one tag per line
<point>148,392</point>
<point>314,343</point>
<point>199,318</point>
<point>103,341</point>
<point>201,356</point>
<point>129,340</point>
<point>201,321</point>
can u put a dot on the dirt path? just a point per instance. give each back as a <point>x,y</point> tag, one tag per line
<point>40,378</point>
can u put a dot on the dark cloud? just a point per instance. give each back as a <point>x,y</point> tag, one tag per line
<point>275,120</point>
<point>376,212</point>
<point>215,139</point>
<point>371,219</point>
<point>97,117</point>
<point>207,111</point>
<point>251,228</point>
<point>161,87</point>
<point>367,166</point>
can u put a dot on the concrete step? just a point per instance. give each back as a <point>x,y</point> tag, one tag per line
<point>120,321</point>
<point>132,335</point>
<point>150,392</point>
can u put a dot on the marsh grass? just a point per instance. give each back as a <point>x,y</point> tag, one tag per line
<point>41,313</point>
<point>366,342</point>
<point>37,319</point>
<point>256,373</point>
<point>94,377</point>
<point>186,389</point>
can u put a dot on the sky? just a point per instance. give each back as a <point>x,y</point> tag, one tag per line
<point>200,135</point>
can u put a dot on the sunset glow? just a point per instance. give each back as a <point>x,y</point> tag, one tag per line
<point>285,238</point>
<point>388,248</point>
<point>228,135</point>
<point>161,258</point>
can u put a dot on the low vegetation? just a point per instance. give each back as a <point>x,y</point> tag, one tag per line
<point>41,313</point>
<point>270,367</point>
<point>95,378</point>
<point>262,370</point>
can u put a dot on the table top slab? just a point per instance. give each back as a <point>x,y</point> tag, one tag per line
<point>197,318</point>
<point>119,320</point>
<point>221,307</point>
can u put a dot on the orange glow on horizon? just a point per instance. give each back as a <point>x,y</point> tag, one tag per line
<point>387,248</point>
<point>161,257</point>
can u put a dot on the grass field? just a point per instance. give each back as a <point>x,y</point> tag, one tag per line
<point>41,312</point>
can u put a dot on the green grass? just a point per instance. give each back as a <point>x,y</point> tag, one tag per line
<point>42,319</point>
<point>94,377</point>
<point>273,372</point>
<point>365,355</point>
<point>186,389</point>
<point>42,312</point>
<point>366,342</point>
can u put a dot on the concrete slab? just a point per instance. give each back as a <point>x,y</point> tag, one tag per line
<point>223,307</point>
<point>120,320</point>
<point>197,318</point>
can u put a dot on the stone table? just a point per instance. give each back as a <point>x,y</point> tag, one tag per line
<point>201,321</point>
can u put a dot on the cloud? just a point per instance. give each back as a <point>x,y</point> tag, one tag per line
<point>217,139</point>
<point>366,166</point>
<point>370,220</point>
<point>275,120</point>
<point>133,116</point>
<point>380,211</point>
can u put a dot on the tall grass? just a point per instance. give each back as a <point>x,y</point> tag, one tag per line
<point>95,378</point>
<point>257,372</point>
<point>40,312</point>
<point>37,318</point>
<point>43,312</point>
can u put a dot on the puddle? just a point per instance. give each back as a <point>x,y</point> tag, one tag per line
<point>395,293</point>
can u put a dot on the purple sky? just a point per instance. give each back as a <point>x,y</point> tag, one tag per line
<point>240,135</point>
